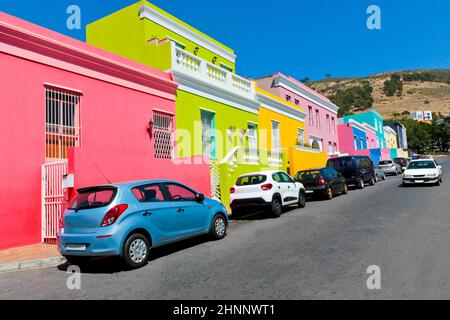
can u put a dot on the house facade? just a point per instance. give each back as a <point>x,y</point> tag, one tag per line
<point>402,136</point>
<point>374,119</point>
<point>87,116</point>
<point>321,113</point>
<point>217,113</point>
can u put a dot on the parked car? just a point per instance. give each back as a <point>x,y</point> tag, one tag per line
<point>324,182</point>
<point>402,162</point>
<point>379,173</point>
<point>129,219</point>
<point>357,170</point>
<point>268,190</point>
<point>390,167</point>
<point>422,172</point>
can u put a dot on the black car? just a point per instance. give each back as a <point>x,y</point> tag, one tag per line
<point>357,170</point>
<point>403,162</point>
<point>325,182</point>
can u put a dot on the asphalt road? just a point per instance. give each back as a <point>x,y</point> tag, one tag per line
<point>320,252</point>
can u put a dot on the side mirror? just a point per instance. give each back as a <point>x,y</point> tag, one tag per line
<point>199,197</point>
<point>439,167</point>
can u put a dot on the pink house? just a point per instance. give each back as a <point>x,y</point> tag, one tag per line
<point>321,113</point>
<point>73,115</point>
<point>371,135</point>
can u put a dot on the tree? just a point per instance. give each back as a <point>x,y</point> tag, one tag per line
<point>392,86</point>
<point>358,98</point>
<point>440,136</point>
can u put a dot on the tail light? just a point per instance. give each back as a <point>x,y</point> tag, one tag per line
<point>267,186</point>
<point>232,190</point>
<point>61,222</point>
<point>321,182</point>
<point>113,214</point>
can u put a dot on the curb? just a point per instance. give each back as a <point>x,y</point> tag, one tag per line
<point>31,264</point>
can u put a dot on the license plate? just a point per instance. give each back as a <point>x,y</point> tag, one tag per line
<point>76,247</point>
<point>309,191</point>
<point>418,181</point>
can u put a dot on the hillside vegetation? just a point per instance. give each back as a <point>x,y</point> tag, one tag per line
<point>394,94</point>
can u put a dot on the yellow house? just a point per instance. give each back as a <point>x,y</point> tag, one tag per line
<point>282,129</point>
<point>390,137</point>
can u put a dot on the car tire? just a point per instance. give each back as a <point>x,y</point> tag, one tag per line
<point>360,183</point>
<point>76,260</point>
<point>218,227</point>
<point>384,177</point>
<point>372,181</point>
<point>276,208</point>
<point>376,179</point>
<point>301,199</point>
<point>438,183</point>
<point>345,191</point>
<point>329,193</point>
<point>136,251</point>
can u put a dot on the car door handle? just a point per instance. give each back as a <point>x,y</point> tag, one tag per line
<point>147,214</point>
<point>181,210</point>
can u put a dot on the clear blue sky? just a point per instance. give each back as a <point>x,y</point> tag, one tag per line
<point>297,37</point>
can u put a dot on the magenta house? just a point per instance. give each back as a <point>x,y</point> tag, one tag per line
<point>72,116</point>
<point>321,113</point>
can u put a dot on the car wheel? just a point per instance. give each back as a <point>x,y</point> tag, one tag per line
<point>376,178</point>
<point>383,177</point>
<point>276,208</point>
<point>372,181</point>
<point>329,194</point>
<point>345,191</point>
<point>301,199</point>
<point>219,227</point>
<point>76,260</point>
<point>360,183</point>
<point>438,183</point>
<point>136,251</point>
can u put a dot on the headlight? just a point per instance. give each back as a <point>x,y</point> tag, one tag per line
<point>407,176</point>
<point>432,175</point>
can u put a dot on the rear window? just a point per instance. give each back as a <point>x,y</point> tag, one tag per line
<point>251,180</point>
<point>308,175</point>
<point>92,198</point>
<point>341,164</point>
<point>384,162</point>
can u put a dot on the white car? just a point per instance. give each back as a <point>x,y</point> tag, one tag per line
<point>269,190</point>
<point>390,167</point>
<point>422,172</point>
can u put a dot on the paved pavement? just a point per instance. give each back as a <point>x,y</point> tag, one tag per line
<point>320,252</point>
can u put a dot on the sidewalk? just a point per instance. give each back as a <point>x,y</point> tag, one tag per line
<point>27,257</point>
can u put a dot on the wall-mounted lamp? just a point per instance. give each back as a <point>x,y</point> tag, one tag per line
<point>196,50</point>
<point>150,127</point>
<point>214,60</point>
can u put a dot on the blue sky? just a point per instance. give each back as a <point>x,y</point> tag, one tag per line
<point>297,37</point>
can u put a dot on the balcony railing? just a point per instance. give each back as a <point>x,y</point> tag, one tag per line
<point>275,158</point>
<point>250,156</point>
<point>193,66</point>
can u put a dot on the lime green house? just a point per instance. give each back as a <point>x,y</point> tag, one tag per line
<point>216,110</point>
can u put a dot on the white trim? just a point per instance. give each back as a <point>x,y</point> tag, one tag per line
<point>390,130</point>
<point>356,124</point>
<point>174,26</point>
<point>369,127</point>
<point>207,90</point>
<point>279,107</point>
<point>163,111</point>
<point>301,148</point>
<point>207,110</point>
<point>295,88</point>
<point>57,86</point>
<point>311,136</point>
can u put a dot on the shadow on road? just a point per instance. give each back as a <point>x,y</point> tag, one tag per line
<point>110,265</point>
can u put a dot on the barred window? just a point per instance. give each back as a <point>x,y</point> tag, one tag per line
<point>163,139</point>
<point>62,122</point>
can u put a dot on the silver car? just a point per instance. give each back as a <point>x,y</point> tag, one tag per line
<point>390,167</point>
<point>379,174</point>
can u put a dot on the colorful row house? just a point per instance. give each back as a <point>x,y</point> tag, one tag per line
<point>321,113</point>
<point>221,116</point>
<point>365,134</point>
<point>86,117</point>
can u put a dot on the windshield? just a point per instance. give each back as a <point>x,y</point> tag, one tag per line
<point>92,198</point>
<point>382,163</point>
<point>251,180</point>
<point>422,165</point>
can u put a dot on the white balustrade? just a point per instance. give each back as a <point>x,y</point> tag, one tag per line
<point>193,66</point>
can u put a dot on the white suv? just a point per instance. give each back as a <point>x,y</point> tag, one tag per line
<point>270,190</point>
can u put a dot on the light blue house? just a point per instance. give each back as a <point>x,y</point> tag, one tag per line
<point>374,119</point>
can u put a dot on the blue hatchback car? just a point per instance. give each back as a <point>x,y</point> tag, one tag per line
<point>128,219</point>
